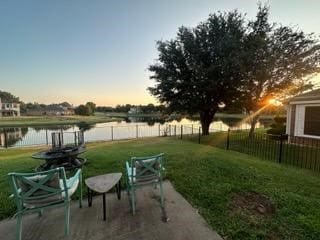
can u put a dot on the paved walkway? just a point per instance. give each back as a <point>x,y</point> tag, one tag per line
<point>86,223</point>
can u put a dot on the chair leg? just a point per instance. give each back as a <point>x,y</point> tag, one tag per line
<point>161,194</point>
<point>80,199</point>
<point>118,190</point>
<point>19,227</point>
<point>129,195</point>
<point>133,201</point>
<point>40,213</point>
<point>67,220</point>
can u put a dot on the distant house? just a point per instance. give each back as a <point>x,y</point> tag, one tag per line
<point>58,110</point>
<point>134,110</point>
<point>303,115</point>
<point>9,109</point>
<point>52,110</point>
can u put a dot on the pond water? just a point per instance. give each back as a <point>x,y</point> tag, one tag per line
<point>128,128</point>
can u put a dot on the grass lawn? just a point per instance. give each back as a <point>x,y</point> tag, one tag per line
<point>221,184</point>
<point>51,120</point>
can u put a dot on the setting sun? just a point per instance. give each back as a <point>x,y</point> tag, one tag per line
<point>275,102</point>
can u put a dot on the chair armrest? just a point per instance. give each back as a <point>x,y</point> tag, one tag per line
<point>11,196</point>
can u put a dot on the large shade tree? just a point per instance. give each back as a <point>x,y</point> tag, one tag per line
<point>279,60</point>
<point>201,69</point>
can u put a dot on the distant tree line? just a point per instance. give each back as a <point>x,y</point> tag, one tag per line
<point>149,108</point>
<point>25,107</point>
<point>87,109</point>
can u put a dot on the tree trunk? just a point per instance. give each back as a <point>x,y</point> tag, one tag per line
<point>206,119</point>
<point>253,123</point>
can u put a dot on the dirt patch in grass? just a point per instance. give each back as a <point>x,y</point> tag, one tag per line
<point>254,204</point>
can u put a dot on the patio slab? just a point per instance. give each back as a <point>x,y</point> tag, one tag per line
<point>86,223</point>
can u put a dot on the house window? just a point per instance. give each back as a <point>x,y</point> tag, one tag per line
<point>312,121</point>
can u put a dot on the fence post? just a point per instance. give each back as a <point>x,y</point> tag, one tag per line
<point>181,131</point>
<point>228,139</point>
<point>47,142</point>
<point>5,138</point>
<point>137,133</point>
<point>175,130</point>
<point>191,129</point>
<point>62,140</point>
<point>75,139</point>
<point>111,133</point>
<point>159,130</point>
<point>280,149</point>
<point>53,142</point>
<point>169,130</point>
<point>199,137</point>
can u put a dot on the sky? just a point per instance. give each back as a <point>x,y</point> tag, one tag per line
<point>99,50</point>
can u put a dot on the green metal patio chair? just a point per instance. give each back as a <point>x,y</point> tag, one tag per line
<point>34,192</point>
<point>143,171</point>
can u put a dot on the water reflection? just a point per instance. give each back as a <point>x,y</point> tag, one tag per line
<point>149,120</point>
<point>131,127</point>
<point>83,126</point>
<point>10,136</point>
<point>52,127</point>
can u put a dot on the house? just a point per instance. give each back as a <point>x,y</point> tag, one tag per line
<point>9,109</point>
<point>51,110</point>
<point>135,110</point>
<point>303,115</point>
<point>58,110</point>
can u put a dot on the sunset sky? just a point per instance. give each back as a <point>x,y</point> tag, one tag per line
<point>80,50</point>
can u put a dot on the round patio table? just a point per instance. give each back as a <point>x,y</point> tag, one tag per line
<point>66,157</point>
<point>102,184</point>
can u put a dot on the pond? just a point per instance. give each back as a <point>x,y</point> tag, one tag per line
<point>128,128</point>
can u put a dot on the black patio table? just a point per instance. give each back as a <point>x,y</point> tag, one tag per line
<point>66,157</point>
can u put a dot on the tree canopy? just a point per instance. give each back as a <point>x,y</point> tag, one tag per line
<point>278,62</point>
<point>229,61</point>
<point>85,110</point>
<point>8,97</point>
<point>201,68</point>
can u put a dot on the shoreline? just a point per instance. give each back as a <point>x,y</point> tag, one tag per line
<point>27,121</point>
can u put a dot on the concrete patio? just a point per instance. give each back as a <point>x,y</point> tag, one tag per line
<point>86,223</point>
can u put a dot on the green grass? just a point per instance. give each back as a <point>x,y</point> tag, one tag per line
<point>51,120</point>
<point>208,178</point>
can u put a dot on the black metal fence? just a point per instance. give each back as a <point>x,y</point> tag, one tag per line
<point>301,152</point>
<point>298,151</point>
